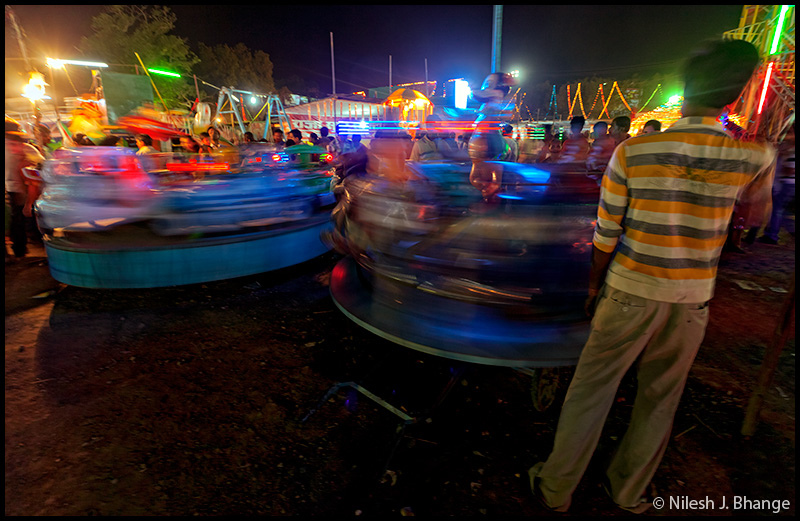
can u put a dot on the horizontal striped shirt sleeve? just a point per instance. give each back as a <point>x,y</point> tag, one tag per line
<point>613,204</point>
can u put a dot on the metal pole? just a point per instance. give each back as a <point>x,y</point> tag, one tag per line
<point>390,74</point>
<point>333,69</point>
<point>427,95</point>
<point>497,37</point>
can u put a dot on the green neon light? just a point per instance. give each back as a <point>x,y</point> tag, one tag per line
<point>777,38</point>
<point>165,73</point>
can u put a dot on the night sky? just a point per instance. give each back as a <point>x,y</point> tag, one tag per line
<point>546,43</point>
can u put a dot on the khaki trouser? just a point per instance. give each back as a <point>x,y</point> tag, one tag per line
<point>665,338</point>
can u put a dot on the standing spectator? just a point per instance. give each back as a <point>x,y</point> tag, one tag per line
<point>324,139</point>
<point>425,148</point>
<point>619,128</point>
<point>463,142</point>
<point>249,138</point>
<point>602,148</point>
<point>21,192</point>
<point>545,151</point>
<point>576,146</point>
<point>313,138</point>
<point>660,230</point>
<point>783,195</point>
<point>451,141</point>
<point>653,126</point>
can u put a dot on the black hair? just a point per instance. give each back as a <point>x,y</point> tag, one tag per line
<point>144,138</point>
<point>717,73</point>
<point>623,122</point>
<point>656,124</point>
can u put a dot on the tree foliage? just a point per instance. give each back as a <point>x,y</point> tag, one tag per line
<point>122,30</point>
<point>238,67</point>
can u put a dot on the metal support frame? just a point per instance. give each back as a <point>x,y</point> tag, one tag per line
<point>275,109</point>
<point>226,93</point>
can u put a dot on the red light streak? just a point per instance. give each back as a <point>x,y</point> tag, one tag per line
<point>194,167</point>
<point>766,85</point>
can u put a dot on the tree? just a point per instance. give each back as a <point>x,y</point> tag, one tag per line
<point>238,67</point>
<point>122,30</point>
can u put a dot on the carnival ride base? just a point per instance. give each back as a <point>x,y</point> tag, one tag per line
<point>462,331</point>
<point>131,256</point>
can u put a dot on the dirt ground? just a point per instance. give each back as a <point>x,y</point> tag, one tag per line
<point>191,401</point>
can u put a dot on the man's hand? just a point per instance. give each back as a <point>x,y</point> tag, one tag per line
<point>591,300</point>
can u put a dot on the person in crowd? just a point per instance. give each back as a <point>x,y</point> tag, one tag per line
<point>248,137</point>
<point>296,138</point>
<point>547,153</point>
<point>463,142</point>
<point>619,128</point>
<point>145,145</point>
<point>425,148</point>
<point>21,192</point>
<point>358,146</point>
<point>82,140</point>
<point>313,138</point>
<point>783,195</point>
<point>576,146</point>
<point>652,126</point>
<point>190,145</point>
<point>451,141</point>
<point>512,154</point>
<point>602,147</point>
<point>277,137</point>
<point>324,138</point>
<point>44,141</point>
<point>109,141</point>
<point>387,156</point>
<point>652,273</point>
<point>214,137</point>
<point>206,147</point>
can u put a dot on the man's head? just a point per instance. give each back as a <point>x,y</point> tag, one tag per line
<point>620,125</point>
<point>600,129</point>
<point>297,136</point>
<point>277,134</point>
<point>576,124</point>
<point>651,127</point>
<point>715,76</point>
<point>324,131</point>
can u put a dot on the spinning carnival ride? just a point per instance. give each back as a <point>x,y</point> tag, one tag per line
<point>110,223</point>
<point>482,261</point>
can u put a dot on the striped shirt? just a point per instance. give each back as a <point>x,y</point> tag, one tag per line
<point>666,202</point>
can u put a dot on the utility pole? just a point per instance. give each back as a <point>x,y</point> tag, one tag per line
<point>497,37</point>
<point>333,69</point>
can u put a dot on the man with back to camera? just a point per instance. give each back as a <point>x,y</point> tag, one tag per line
<point>665,204</point>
